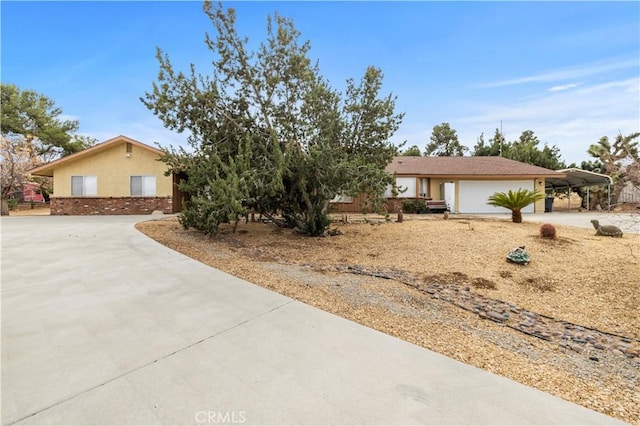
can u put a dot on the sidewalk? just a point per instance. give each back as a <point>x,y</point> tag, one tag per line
<point>101,325</point>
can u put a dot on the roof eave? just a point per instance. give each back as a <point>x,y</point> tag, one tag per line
<point>47,169</point>
<point>463,175</point>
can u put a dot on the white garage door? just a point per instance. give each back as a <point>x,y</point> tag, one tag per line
<point>473,194</point>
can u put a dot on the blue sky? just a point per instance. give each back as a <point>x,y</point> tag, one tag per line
<point>569,71</point>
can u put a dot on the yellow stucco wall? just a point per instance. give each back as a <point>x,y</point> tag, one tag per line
<point>113,169</point>
<point>538,207</point>
<point>434,188</point>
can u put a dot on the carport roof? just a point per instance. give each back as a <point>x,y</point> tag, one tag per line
<point>576,178</point>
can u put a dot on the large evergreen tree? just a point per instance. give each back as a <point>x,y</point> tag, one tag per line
<point>525,150</point>
<point>32,132</point>
<point>413,151</point>
<point>36,119</point>
<point>497,146</point>
<point>444,142</point>
<point>268,131</point>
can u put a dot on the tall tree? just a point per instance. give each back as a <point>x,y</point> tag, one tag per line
<point>268,131</point>
<point>496,147</point>
<point>623,149</point>
<point>619,160</point>
<point>37,119</point>
<point>32,132</point>
<point>595,166</point>
<point>444,142</point>
<point>526,150</point>
<point>412,151</point>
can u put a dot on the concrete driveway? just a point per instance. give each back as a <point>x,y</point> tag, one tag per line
<point>101,325</point>
<point>629,223</point>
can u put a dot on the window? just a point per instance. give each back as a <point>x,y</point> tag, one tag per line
<point>388,192</point>
<point>342,198</point>
<point>407,184</point>
<point>143,186</point>
<point>84,186</point>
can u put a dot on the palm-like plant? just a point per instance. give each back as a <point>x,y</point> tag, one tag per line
<point>515,201</point>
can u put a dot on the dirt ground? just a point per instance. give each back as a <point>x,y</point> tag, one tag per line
<point>432,282</point>
<point>25,209</point>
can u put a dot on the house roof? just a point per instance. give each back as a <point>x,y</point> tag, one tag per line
<point>467,166</point>
<point>576,178</point>
<point>47,169</point>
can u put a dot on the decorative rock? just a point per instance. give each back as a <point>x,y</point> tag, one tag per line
<point>497,316</point>
<point>559,332</point>
<point>606,230</point>
<point>542,335</point>
<point>519,256</point>
<point>575,348</point>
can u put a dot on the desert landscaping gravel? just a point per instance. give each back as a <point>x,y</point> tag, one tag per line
<point>567,323</point>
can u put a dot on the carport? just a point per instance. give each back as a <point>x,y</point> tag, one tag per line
<point>577,178</point>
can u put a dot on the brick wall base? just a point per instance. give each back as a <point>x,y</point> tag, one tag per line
<point>110,205</point>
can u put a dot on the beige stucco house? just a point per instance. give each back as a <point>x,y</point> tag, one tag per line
<point>465,183</point>
<point>118,176</point>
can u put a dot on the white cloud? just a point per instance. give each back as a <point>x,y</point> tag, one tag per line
<point>572,120</point>
<point>569,73</point>
<point>563,87</point>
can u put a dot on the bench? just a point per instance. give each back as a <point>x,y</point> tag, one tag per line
<point>434,206</point>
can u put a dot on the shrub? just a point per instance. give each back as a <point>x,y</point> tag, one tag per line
<point>12,203</point>
<point>415,206</point>
<point>515,201</point>
<point>547,230</point>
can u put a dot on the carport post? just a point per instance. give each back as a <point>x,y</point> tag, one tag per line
<point>569,197</point>
<point>588,203</point>
<point>608,197</point>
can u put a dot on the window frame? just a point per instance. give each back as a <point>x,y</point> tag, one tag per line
<point>144,186</point>
<point>89,185</point>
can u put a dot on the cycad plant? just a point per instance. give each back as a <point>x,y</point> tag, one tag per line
<point>515,201</point>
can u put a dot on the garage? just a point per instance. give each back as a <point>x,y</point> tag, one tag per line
<point>473,194</point>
